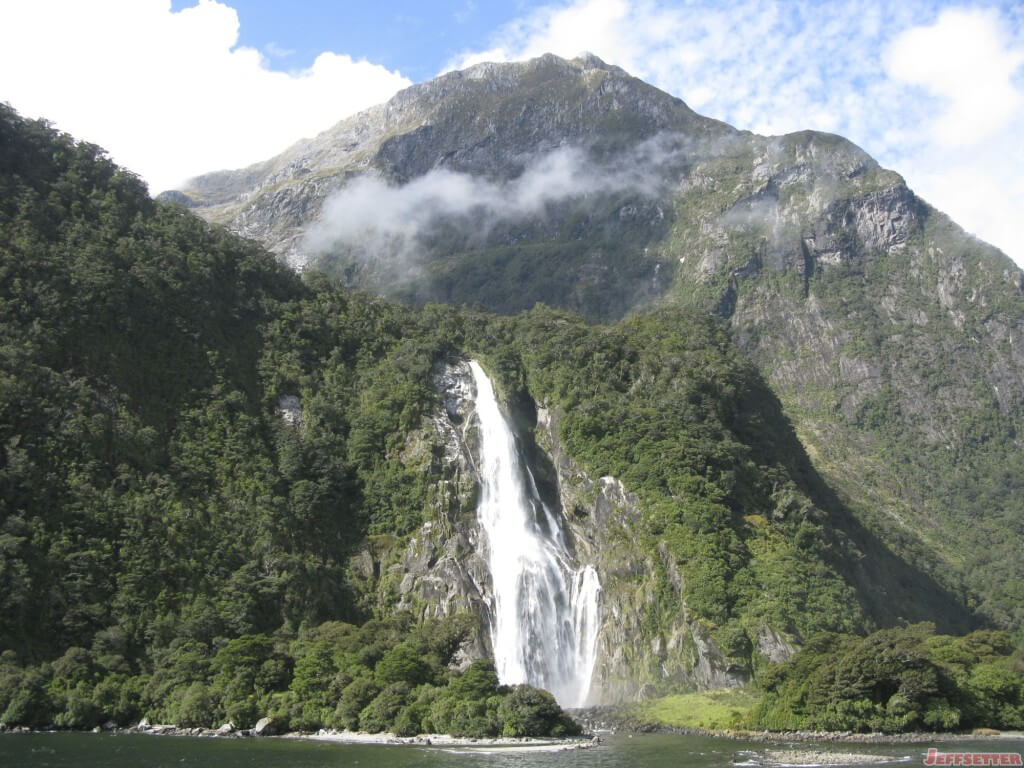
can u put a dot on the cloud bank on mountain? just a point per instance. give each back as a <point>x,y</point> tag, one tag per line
<point>373,217</point>
<point>932,92</point>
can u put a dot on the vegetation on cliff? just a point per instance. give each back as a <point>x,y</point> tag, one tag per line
<point>172,542</point>
<point>668,405</point>
<point>893,339</point>
<point>205,483</point>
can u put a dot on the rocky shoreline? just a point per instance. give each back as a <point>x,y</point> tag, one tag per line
<point>596,721</point>
<point>621,720</point>
<point>444,740</point>
<point>265,729</point>
<point>808,758</point>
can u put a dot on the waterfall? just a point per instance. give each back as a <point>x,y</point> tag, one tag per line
<point>544,620</point>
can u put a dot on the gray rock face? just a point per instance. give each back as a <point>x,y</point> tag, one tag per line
<point>773,645</point>
<point>636,657</point>
<point>487,119</point>
<point>490,122</point>
<point>443,569</point>
<point>894,340</point>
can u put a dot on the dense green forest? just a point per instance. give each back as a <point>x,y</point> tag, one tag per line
<point>171,545</point>
<point>891,337</point>
<point>895,680</point>
<point>167,539</point>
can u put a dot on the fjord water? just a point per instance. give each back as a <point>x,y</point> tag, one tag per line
<point>85,750</point>
<point>545,618</point>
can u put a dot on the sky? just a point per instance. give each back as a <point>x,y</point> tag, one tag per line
<point>176,88</point>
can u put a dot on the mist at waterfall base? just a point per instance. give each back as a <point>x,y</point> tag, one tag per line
<point>544,619</point>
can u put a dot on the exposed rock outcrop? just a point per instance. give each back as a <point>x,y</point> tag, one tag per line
<point>444,566</point>
<point>443,569</point>
<point>638,655</point>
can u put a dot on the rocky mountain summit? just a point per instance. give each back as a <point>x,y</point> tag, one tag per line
<point>491,120</point>
<point>571,156</point>
<point>894,340</point>
<point>232,493</point>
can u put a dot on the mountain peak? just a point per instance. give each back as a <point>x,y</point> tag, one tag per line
<point>588,60</point>
<point>488,120</point>
<point>583,62</point>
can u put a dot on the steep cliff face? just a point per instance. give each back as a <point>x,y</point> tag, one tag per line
<point>647,642</point>
<point>894,340</point>
<point>442,569</point>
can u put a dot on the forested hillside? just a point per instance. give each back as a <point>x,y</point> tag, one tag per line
<point>211,475</point>
<point>170,544</point>
<point>892,338</point>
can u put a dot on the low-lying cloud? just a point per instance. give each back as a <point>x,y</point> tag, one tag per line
<point>375,218</point>
<point>931,89</point>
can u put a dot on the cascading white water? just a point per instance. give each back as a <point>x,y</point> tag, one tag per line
<point>545,616</point>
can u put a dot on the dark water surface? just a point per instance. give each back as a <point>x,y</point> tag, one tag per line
<point>84,750</point>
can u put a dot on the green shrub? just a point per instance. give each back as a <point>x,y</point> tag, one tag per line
<point>529,711</point>
<point>896,680</point>
<point>381,713</point>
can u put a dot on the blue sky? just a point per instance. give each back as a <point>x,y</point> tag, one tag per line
<point>172,88</point>
<point>415,38</point>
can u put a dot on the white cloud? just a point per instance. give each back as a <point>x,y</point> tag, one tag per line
<point>902,81</point>
<point>276,51</point>
<point>369,216</point>
<point>965,154</point>
<point>169,94</point>
<point>963,59</point>
<point>934,95</point>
